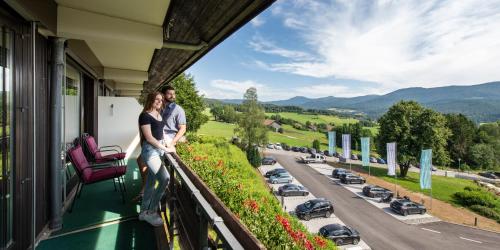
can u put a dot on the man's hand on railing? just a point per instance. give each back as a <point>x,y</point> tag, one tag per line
<point>170,149</point>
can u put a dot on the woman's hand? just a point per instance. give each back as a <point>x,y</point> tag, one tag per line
<point>170,149</point>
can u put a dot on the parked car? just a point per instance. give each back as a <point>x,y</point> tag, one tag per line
<point>275,171</point>
<point>342,159</point>
<point>278,147</point>
<point>338,171</point>
<point>292,190</point>
<point>311,150</point>
<point>375,191</point>
<point>315,158</point>
<point>327,153</point>
<point>340,234</point>
<point>295,149</point>
<point>406,207</point>
<point>270,146</point>
<point>489,175</point>
<point>351,178</point>
<point>381,161</point>
<point>286,147</point>
<point>320,207</point>
<point>321,153</point>
<point>354,157</point>
<point>303,149</point>
<point>281,178</point>
<point>373,160</point>
<point>359,156</point>
<point>268,161</point>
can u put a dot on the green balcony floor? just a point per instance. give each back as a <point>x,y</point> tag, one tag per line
<point>100,204</point>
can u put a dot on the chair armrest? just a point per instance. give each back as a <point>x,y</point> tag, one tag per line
<point>112,146</point>
<point>107,150</point>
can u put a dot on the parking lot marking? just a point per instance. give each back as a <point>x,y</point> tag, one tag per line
<point>470,240</point>
<point>434,231</point>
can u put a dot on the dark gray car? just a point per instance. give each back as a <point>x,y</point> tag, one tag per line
<point>340,234</point>
<point>292,190</point>
<point>406,207</point>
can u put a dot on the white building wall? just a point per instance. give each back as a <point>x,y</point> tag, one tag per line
<point>118,123</point>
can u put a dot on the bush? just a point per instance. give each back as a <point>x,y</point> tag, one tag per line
<point>253,156</point>
<point>280,130</point>
<point>229,175</point>
<point>486,212</point>
<point>316,145</point>
<point>480,201</point>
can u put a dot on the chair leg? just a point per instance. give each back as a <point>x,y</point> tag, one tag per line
<point>76,196</point>
<point>123,183</point>
<point>121,190</point>
<point>80,193</point>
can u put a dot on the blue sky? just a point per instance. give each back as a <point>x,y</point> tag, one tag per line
<point>352,48</point>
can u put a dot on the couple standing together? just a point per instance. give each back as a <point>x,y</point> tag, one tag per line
<point>162,123</point>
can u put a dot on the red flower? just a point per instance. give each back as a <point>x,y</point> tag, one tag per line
<point>198,158</point>
<point>252,204</point>
<point>220,163</point>
<point>320,241</point>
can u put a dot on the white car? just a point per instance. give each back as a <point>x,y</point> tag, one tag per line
<point>270,146</point>
<point>278,147</point>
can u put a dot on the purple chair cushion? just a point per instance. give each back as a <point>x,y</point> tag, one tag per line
<point>104,174</point>
<point>110,157</point>
<point>91,175</point>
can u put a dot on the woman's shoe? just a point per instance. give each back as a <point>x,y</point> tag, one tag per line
<point>151,217</point>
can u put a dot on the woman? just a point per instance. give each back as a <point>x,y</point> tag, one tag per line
<point>151,131</point>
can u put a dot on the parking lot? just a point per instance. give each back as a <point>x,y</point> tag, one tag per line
<point>326,170</point>
<point>313,225</point>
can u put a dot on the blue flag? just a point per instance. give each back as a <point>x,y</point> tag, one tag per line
<point>365,151</point>
<point>425,169</point>
<point>331,142</point>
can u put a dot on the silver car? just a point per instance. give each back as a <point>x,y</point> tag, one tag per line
<point>281,178</point>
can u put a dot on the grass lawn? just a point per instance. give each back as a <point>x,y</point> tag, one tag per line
<point>338,121</point>
<point>443,188</point>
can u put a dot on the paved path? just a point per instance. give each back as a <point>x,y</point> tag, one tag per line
<point>377,228</point>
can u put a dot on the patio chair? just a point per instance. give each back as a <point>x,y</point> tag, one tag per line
<point>102,154</point>
<point>93,173</point>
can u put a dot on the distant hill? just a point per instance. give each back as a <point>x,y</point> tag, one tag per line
<point>480,102</point>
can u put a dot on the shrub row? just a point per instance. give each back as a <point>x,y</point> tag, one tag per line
<point>225,169</point>
<point>480,201</point>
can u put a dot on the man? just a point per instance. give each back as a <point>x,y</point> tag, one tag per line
<point>175,127</point>
<point>174,117</point>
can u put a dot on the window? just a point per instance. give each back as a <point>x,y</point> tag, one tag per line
<point>72,104</point>
<point>6,140</point>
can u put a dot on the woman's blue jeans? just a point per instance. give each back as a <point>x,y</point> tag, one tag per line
<point>156,173</point>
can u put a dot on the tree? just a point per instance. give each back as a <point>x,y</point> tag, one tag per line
<point>483,156</point>
<point>413,128</point>
<point>250,127</point>
<point>216,111</point>
<point>229,115</point>
<point>316,144</point>
<point>253,156</point>
<point>189,99</point>
<point>463,133</point>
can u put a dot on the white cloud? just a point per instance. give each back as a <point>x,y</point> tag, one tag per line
<point>257,21</point>
<point>267,46</point>
<point>394,43</point>
<point>229,89</point>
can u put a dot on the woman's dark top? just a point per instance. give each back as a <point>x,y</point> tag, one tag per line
<point>156,126</point>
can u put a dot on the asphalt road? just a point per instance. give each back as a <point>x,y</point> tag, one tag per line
<point>378,229</point>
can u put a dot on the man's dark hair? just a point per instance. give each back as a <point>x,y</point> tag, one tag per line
<point>167,88</point>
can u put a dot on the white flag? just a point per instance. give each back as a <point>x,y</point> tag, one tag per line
<point>346,145</point>
<point>391,158</point>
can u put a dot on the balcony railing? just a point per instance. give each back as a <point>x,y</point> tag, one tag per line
<point>194,209</point>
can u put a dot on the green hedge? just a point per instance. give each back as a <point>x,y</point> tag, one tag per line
<point>480,201</point>
<point>225,169</point>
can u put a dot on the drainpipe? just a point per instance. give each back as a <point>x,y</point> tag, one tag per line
<point>184,46</point>
<point>57,73</point>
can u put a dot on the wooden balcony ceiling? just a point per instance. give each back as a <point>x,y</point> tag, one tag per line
<point>194,22</point>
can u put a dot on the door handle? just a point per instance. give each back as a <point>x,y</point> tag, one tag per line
<point>25,180</point>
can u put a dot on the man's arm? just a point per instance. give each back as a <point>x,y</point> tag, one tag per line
<point>180,133</point>
<point>181,124</point>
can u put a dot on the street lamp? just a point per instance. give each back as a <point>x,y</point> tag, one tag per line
<point>458,164</point>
